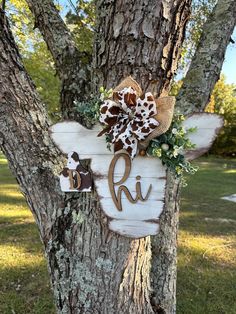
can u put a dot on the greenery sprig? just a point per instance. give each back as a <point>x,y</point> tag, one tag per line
<point>169,147</point>
<point>89,110</point>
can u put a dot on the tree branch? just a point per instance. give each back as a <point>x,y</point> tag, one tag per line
<point>207,62</point>
<point>24,136</point>
<point>3,5</point>
<point>71,64</point>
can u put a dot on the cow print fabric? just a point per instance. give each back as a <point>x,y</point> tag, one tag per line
<point>129,119</point>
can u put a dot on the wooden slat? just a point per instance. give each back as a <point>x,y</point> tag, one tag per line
<point>149,166</point>
<point>133,228</point>
<point>71,136</point>
<point>157,192</point>
<point>208,126</point>
<point>150,209</point>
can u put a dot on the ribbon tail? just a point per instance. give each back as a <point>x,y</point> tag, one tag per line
<point>104,131</point>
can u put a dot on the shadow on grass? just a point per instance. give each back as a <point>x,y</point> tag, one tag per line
<point>11,199</point>
<point>24,235</point>
<point>25,289</point>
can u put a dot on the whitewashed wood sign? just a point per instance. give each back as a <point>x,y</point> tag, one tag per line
<point>131,194</point>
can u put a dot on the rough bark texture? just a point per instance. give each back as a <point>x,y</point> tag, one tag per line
<point>71,65</point>
<point>207,62</point>
<point>24,135</point>
<point>164,250</point>
<point>90,268</point>
<point>139,38</point>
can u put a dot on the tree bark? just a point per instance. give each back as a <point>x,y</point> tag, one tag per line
<point>139,38</point>
<point>207,62</point>
<point>72,65</point>
<point>92,269</point>
<point>24,136</point>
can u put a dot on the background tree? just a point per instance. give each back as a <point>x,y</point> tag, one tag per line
<point>201,10</point>
<point>35,55</point>
<point>223,101</point>
<point>90,267</point>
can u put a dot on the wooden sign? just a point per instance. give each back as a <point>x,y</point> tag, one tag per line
<point>131,193</point>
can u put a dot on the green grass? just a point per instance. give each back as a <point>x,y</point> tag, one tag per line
<point>206,254</point>
<point>24,284</point>
<point>207,241</point>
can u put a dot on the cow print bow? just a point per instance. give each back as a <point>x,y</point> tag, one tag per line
<point>129,119</point>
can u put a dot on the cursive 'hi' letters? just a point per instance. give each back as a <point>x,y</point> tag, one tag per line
<point>122,188</point>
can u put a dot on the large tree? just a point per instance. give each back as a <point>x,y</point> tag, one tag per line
<point>92,269</point>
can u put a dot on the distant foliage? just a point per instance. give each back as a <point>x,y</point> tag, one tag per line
<point>40,66</point>
<point>223,101</point>
<point>36,57</point>
<point>201,9</point>
<point>81,22</point>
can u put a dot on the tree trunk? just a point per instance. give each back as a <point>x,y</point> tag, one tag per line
<point>92,269</point>
<point>139,38</point>
<point>143,40</point>
<point>208,59</point>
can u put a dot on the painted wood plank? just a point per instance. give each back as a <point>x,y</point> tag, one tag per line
<point>143,211</point>
<point>149,166</point>
<point>208,126</point>
<point>157,192</point>
<point>132,220</point>
<point>71,136</point>
<point>133,228</point>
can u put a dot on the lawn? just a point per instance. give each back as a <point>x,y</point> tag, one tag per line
<point>207,246</point>
<point>24,284</point>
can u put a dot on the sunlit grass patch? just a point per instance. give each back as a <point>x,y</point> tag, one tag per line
<point>220,250</point>
<point>3,160</point>
<point>24,282</point>
<point>207,241</point>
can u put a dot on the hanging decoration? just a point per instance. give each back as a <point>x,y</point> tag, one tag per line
<point>141,141</point>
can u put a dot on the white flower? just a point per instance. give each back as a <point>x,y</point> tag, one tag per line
<point>165,147</point>
<point>174,131</point>
<point>175,153</point>
<point>177,150</point>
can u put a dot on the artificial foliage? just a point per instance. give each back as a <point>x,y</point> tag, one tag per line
<point>170,146</point>
<point>89,110</point>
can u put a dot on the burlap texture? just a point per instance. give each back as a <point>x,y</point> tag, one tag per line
<point>129,82</point>
<point>165,109</point>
